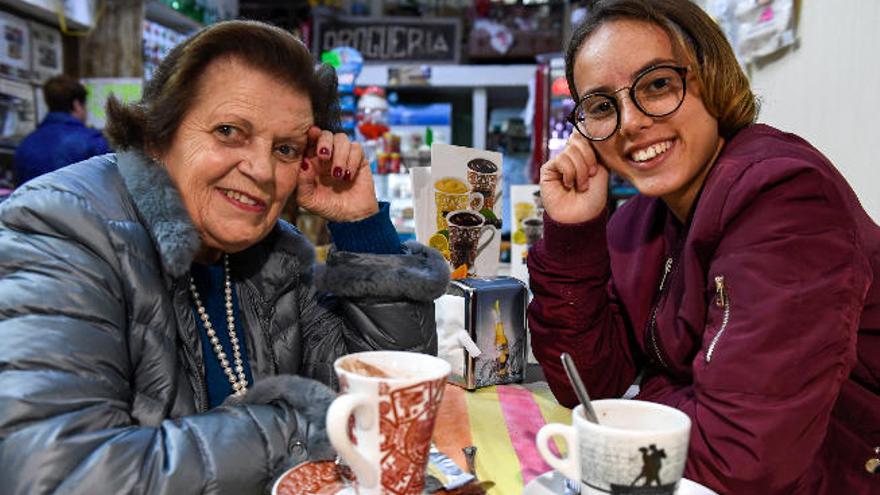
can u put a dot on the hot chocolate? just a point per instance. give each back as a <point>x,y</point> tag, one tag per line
<point>355,365</point>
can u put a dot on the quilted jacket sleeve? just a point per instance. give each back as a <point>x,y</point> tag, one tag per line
<point>66,372</point>
<point>780,343</point>
<point>364,302</point>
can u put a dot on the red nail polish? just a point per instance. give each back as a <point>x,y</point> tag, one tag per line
<point>337,172</point>
<point>348,175</point>
<point>305,165</point>
<point>325,151</point>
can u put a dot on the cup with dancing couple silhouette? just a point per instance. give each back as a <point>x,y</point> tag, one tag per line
<point>636,448</point>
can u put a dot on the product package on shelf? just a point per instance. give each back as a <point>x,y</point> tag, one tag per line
<point>460,214</point>
<point>482,331</point>
<point>348,63</point>
<point>46,51</point>
<point>15,47</point>
<point>17,109</point>
<point>158,41</point>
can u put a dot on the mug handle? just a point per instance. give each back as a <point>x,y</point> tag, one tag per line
<point>476,201</point>
<point>484,245</point>
<point>568,465</point>
<point>338,416</point>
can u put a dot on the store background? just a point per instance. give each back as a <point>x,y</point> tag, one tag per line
<point>827,89</point>
<point>823,87</point>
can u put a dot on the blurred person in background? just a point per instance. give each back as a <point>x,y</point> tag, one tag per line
<point>737,286</point>
<point>62,138</point>
<point>164,332</point>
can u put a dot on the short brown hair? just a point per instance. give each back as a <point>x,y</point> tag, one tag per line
<point>170,94</point>
<point>724,87</point>
<point>61,91</point>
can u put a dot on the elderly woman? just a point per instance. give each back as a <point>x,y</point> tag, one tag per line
<point>138,291</point>
<point>739,284</point>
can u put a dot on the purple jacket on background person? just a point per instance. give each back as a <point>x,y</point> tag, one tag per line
<point>759,318</point>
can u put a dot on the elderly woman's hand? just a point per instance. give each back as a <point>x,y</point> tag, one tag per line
<point>335,181</point>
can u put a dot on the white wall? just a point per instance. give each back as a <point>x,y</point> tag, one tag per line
<point>828,89</point>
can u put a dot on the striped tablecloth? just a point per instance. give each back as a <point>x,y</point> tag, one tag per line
<point>502,423</point>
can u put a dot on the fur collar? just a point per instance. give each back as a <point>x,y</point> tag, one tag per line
<point>161,209</point>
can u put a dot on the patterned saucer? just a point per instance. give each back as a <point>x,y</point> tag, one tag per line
<point>322,478</point>
<point>310,478</point>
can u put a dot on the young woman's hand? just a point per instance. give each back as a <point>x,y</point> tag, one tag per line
<point>574,185</point>
<point>335,181</point>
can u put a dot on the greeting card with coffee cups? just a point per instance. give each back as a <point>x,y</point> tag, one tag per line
<point>464,201</point>
<point>526,226</point>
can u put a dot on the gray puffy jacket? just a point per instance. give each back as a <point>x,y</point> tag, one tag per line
<point>101,371</point>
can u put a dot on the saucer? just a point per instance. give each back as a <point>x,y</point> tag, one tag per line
<point>322,478</point>
<point>553,483</point>
<point>310,478</point>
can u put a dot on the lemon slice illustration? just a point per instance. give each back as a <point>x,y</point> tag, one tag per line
<point>439,242</point>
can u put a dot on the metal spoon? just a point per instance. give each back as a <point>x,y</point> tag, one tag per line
<point>579,389</point>
<point>572,487</point>
<point>470,454</point>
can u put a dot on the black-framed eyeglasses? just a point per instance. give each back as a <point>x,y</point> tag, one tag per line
<point>657,92</point>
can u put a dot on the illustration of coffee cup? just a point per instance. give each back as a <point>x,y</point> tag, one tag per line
<point>523,210</point>
<point>451,194</point>
<point>466,229</point>
<point>483,174</point>
<point>534,229</point>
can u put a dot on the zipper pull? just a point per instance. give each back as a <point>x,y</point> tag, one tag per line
<point>667,268</point>
<point>720,292</point>
<point>873,464</point>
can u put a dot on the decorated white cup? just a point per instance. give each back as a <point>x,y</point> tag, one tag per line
<point>383,420</point>
<point>638,447</point>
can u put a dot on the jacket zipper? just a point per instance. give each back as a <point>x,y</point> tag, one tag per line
<point>262,317</point>
<point>652,324</point>
<point>722,300</point>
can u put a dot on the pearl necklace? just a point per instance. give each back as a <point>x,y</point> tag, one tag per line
<point>239,383</point>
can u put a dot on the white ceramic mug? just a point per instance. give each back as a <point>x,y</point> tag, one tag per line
<point>387,443</point>
<point>637,447</point>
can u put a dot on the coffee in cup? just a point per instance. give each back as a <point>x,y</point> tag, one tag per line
<point>355,365</point>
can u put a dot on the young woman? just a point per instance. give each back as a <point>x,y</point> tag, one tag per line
<point>737,286</point>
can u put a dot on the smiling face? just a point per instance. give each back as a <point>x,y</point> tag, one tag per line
<point>666,157</point>
<point>236,155</point>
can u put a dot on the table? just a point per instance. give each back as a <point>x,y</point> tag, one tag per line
<point>502,422</point>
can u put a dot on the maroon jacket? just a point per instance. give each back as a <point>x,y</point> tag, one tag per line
<point>759,318</point>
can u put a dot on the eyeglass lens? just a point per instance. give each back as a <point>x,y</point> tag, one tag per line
<point>657,93</point>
